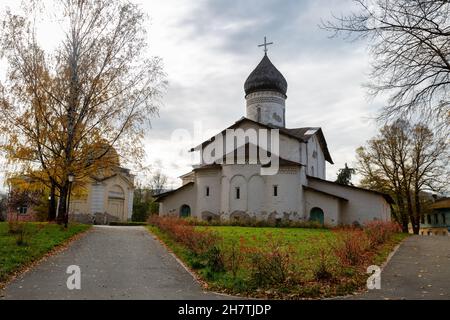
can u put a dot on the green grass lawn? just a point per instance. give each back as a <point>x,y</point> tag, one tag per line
<point>39,239</point>
<point>305,243</point>
<point>307,246</point>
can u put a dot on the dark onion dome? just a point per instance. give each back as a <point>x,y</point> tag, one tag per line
<point>266,77</point>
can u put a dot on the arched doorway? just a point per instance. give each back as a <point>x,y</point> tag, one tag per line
<point>317,215</point>
<point>116,202</point>
<point>185,211</point>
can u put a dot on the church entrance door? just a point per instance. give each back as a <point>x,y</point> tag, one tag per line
<point>185,211</point>
<point>317,215</point>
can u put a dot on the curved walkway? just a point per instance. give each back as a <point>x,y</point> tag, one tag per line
<point>116,263</point>
<point>420,269</point>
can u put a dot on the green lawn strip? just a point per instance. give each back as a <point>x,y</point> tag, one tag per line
<point>40,238</point>
<point>307,244</point>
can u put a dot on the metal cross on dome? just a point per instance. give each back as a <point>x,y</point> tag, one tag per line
<point>265,45</point>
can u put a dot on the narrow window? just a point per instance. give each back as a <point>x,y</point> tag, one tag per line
<point>207,191</point>
<point>436,221</point>
<point>428,219</point>
<point>422,219</point>
<point>443,219</point>
<point>238,193</point>
<point>275,191</point>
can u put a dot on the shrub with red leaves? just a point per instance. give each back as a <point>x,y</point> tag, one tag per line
<point>379,232</point>
<point>181,231</point>
<point>272,264</point>
<point>352,245</point>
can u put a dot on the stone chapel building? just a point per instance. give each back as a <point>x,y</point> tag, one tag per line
<point>299,191</point>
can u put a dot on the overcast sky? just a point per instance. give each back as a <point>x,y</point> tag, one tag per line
<point>210,47</point>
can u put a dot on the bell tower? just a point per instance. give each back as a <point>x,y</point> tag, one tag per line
<point>265,93</point>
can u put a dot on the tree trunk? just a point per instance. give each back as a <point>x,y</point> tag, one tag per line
<point>418,212</point>
<point>52,204</point>
<point>411,212</point>
<point>402,213</point>
<point>63,192</point>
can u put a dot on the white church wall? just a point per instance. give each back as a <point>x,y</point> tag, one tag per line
<point>289,147</point>
<point>316,159</point>
<point>303,181</point>
<point>208,179</point>
<point>256,199</point>
<point>238,202</point>
<point>171,205</point>
<point>224,193</point>
<point>286,203</point>
<point>252,190</point>
<point>362,206</point>
<point>329,205</point>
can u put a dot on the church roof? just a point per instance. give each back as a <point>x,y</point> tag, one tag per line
<point>387,197</point>
<point>266,77</point>
<point>306,133</point>
<point>301,134</point>
<point>161,196</point>
<point>324,193</point>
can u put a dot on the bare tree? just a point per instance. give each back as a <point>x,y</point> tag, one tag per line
<point>410,47</point>
<point>404,161</point>
<point>158,182</point>
<point>68,111</point>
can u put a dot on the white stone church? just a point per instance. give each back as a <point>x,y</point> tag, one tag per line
<point>298,191</point>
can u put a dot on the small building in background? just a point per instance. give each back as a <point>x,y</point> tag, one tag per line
<point>106,199</point>
<point>437,221</point>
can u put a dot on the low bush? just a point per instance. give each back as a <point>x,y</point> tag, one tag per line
<point>204,244</point>
<point>21,237</point>
<point>351,247</point>
<point>270,265</point>
<point>234,257</point>
<point>322,271</point>
<point>215,260</point>
<point>379,232</point>
<point>15,227</point>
